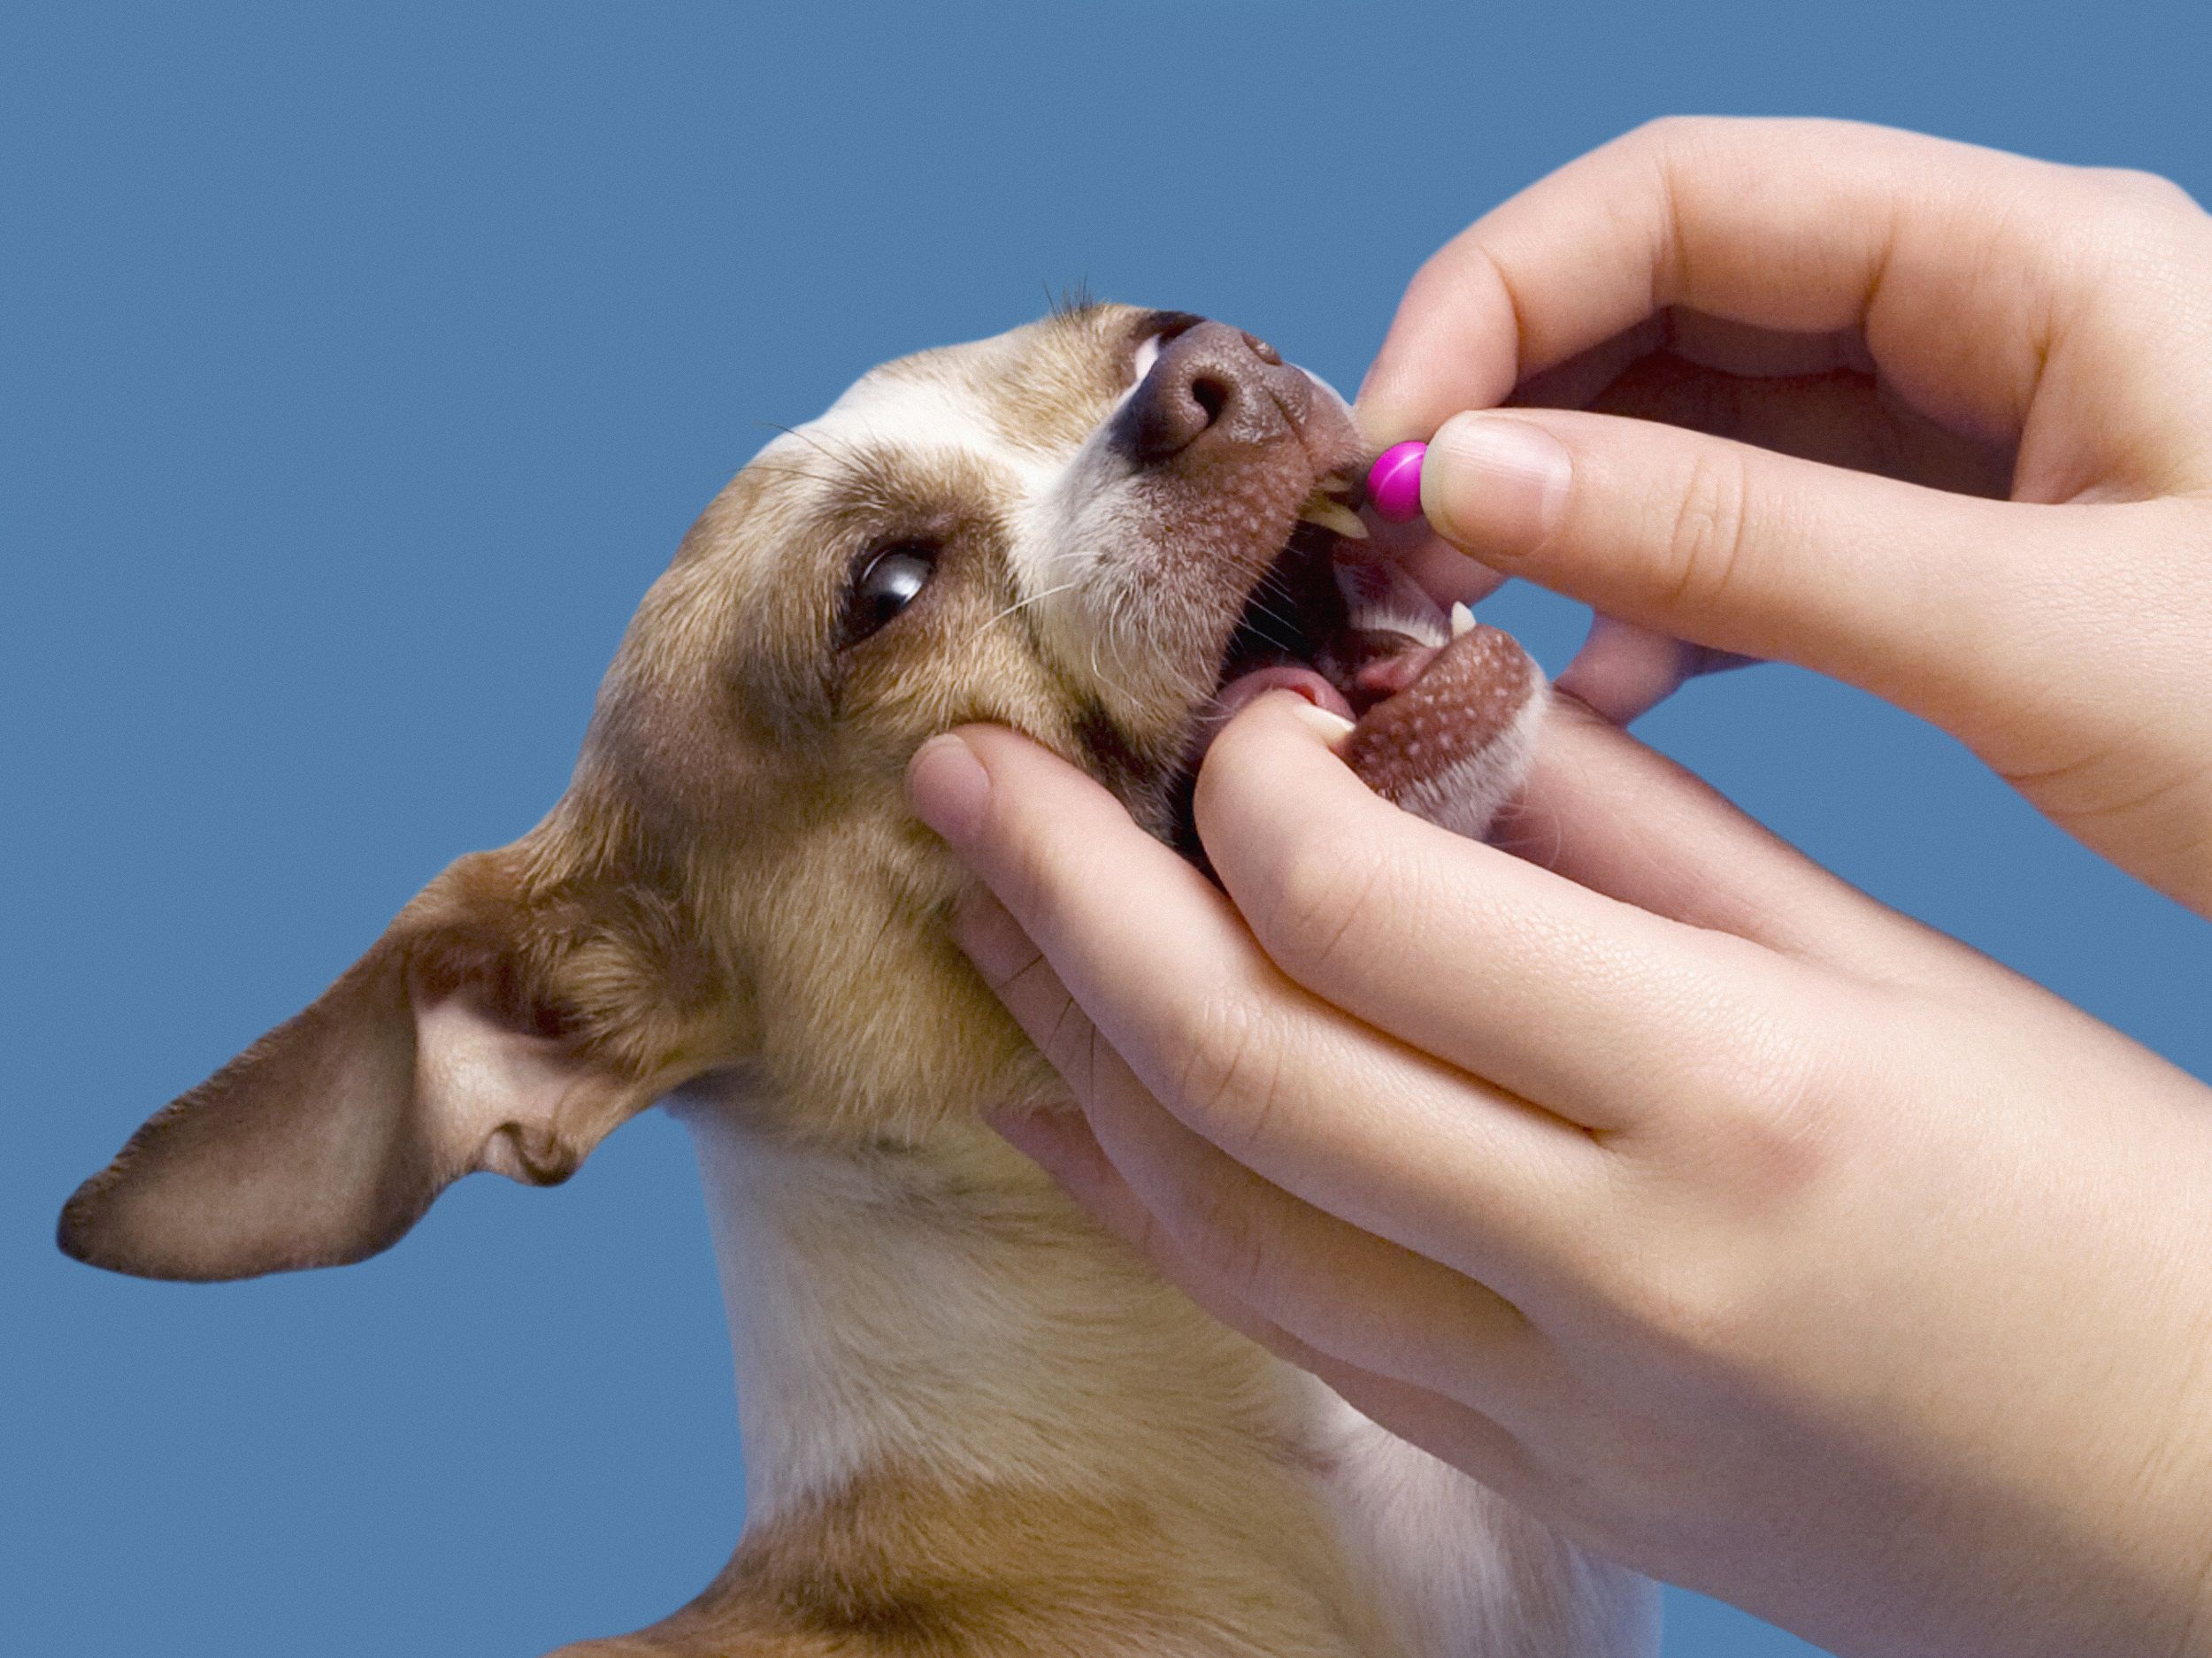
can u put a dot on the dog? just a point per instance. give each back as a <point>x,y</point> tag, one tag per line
<point>972,1422</point>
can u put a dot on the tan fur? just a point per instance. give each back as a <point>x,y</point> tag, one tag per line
<point>1075,1460</point>
<point>893,1567</point>
<point>975,1425</point>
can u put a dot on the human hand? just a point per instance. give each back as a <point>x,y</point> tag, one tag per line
<point>1916,325</point>
<point>1744,1230</point>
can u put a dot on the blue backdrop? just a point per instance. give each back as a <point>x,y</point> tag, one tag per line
<point>364,364</point>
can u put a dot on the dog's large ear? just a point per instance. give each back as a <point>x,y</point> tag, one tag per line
<point>507,1020</point>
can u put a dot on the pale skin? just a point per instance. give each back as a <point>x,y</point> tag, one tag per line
<point>1745,1229</point>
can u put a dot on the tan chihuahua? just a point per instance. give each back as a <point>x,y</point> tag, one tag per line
<point>973,1423</point>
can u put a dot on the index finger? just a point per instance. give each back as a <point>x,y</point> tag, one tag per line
<point>1603,1013</point>
<point>1793,225</point>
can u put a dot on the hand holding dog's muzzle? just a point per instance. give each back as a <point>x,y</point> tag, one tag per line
<point>1740,1227</point>
<point>1656,1178</point>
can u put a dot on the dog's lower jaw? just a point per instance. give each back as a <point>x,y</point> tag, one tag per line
<point>973,1423</point>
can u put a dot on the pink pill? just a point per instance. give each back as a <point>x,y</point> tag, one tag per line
<point>1393,483</point>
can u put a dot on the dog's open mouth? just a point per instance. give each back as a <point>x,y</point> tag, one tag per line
<point>1349,634</point>
<point>1345,634</point>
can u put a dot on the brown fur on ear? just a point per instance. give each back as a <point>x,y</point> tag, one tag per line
<point>500,1023</point>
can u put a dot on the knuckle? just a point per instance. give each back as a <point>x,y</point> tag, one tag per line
<point>1678,144</point>
<point>1761,1136</point>
<point>1072,1048</point>
<point>1773,1136</point>
<point>1230,1245</point>
<point>1721,1199</point>
<point>1704,540</point>
<point>2134,187</point>
<point>1230,1075</point>
<point>1674,131</point>
<point>1440,277</point>
<point>1322,889</point>
<point>1690,1308</point>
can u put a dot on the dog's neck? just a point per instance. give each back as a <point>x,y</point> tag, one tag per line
<point>943,1367</point>
<point>945,1311</point>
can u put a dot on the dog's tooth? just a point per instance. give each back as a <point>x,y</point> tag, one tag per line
<point>1462,619</point>
<point>1334,484</point>
<point>1333,515</point>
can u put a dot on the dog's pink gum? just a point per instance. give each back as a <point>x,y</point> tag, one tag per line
<point>1393,483</point>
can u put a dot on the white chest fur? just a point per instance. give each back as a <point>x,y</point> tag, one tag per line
<point>947,1316</point>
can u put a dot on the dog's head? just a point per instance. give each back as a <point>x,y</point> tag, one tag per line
<point>1081,529</point>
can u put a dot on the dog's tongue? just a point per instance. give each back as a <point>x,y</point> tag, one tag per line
<point>1375,665</point>
<point>1248,687</point>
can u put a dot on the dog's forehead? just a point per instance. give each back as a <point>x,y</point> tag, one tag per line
<point>1023,399</point>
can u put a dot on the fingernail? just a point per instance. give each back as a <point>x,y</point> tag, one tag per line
<point>1495,485</point>
<point>947,787</point>
<point>1332,727</point>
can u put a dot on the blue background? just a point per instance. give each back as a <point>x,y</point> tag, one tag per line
<point>364,364</point>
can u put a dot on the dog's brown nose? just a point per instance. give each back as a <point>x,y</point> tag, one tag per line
<point>1212,385</point>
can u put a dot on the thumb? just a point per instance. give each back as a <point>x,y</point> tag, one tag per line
<point>1909,592</point>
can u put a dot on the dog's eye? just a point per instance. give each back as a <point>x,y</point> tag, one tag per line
<point>888,582</point>
<point>1148,354</point>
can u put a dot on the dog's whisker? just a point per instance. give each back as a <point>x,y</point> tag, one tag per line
<point>811,440</point>
<point>1034,598</point>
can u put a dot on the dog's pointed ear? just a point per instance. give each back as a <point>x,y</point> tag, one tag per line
<point>500,1023</point>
